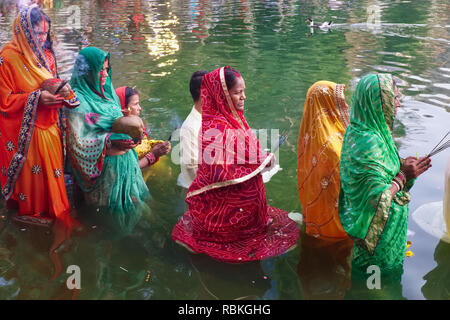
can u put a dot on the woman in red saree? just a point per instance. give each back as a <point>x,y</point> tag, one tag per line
<point>228,217</point>
<point>31,157</point>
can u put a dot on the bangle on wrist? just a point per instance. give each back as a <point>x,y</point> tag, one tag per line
<point>151,158</point>
<point>399,182</point>
<point>397,185</point>
<point>402,176</point>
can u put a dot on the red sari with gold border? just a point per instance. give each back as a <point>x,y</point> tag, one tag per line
<point>228,217</point>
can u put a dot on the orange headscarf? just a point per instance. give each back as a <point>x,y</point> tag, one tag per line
<point>325,119</point>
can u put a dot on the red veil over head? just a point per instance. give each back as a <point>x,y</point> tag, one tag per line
<point>121,94</point>
<point>228,217</point>
<point>230,152</point>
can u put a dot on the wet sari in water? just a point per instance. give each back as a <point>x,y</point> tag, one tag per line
<point>228,217</point>
<point>376,221</point>
<point>112,184</point>
<point>324,121</point>
<point>31,154</point>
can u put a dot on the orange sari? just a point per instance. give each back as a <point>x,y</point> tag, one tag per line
<point>325,119</point>
<point>31,158</point>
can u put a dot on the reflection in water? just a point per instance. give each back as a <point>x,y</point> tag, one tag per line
<point>390,281</point>
<point>200,11</point>
<point>324,268</point>
<point>25,267</point>
<point>163,41</point>
<point>437,285</point>
<point>229,281</point>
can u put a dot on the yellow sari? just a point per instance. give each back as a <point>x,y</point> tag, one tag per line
<point>325,119</point>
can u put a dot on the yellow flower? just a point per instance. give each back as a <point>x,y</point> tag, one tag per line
<point>409,253</point>
<point>408,244</point>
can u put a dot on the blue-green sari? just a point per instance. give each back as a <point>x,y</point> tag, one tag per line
<point>113,184</point>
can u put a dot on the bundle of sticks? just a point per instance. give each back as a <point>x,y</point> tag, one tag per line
<point>282,138</point>
<point>441,146</point>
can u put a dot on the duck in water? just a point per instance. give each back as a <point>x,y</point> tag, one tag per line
<point>323,26</point>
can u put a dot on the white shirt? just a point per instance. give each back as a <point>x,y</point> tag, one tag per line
<point>189,135</point>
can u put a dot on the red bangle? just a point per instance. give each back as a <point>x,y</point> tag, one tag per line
<point>399,183</point>
<point>151,158</point>
<point>400,175</point>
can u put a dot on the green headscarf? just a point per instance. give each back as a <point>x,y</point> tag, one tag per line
<point>90,124</point>
<point>369,162</point>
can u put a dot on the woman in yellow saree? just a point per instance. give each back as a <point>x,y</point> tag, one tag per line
<point>325,119</point>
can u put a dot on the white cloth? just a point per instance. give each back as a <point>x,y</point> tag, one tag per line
<point>189,137</point>
<point>447,198</point>
<point>434,217</point>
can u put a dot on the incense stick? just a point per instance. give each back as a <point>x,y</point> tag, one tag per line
<point>440,146</point>
<point>281,140</point>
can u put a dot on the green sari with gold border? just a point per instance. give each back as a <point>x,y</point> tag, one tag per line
<point>111,184</point>
<point>372,218</point>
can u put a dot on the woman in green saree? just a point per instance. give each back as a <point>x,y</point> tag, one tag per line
<point>375,181</point>
<point>104,164</point>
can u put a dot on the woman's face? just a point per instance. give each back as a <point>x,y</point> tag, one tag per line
<point>397,103</point>
<point>237,93</point>
<point>41,31</point>
<point>104,73</point>
<point>134,106</point>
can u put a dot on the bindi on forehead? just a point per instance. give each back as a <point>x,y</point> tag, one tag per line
<point>42,27</point>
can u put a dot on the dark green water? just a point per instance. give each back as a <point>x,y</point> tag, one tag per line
<point>271,44</point>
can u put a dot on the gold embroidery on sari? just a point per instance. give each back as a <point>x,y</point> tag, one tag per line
<point>339,101</point>
<point>234,181</point>
<point>378,223</point>
<point>387,99</point>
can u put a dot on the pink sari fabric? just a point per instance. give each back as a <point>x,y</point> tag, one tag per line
<point>228,217</point>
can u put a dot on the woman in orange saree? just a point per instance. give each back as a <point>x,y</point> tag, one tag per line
<point>325,119</point>
<point>31,157</point>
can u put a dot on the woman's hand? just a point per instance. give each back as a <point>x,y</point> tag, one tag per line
<point>161,149</point>
<point>272,162</point>
<point>413,167</point>
<point>123,145</point>
<point>48,99</point>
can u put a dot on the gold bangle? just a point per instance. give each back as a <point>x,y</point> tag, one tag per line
<point>403,175</point>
